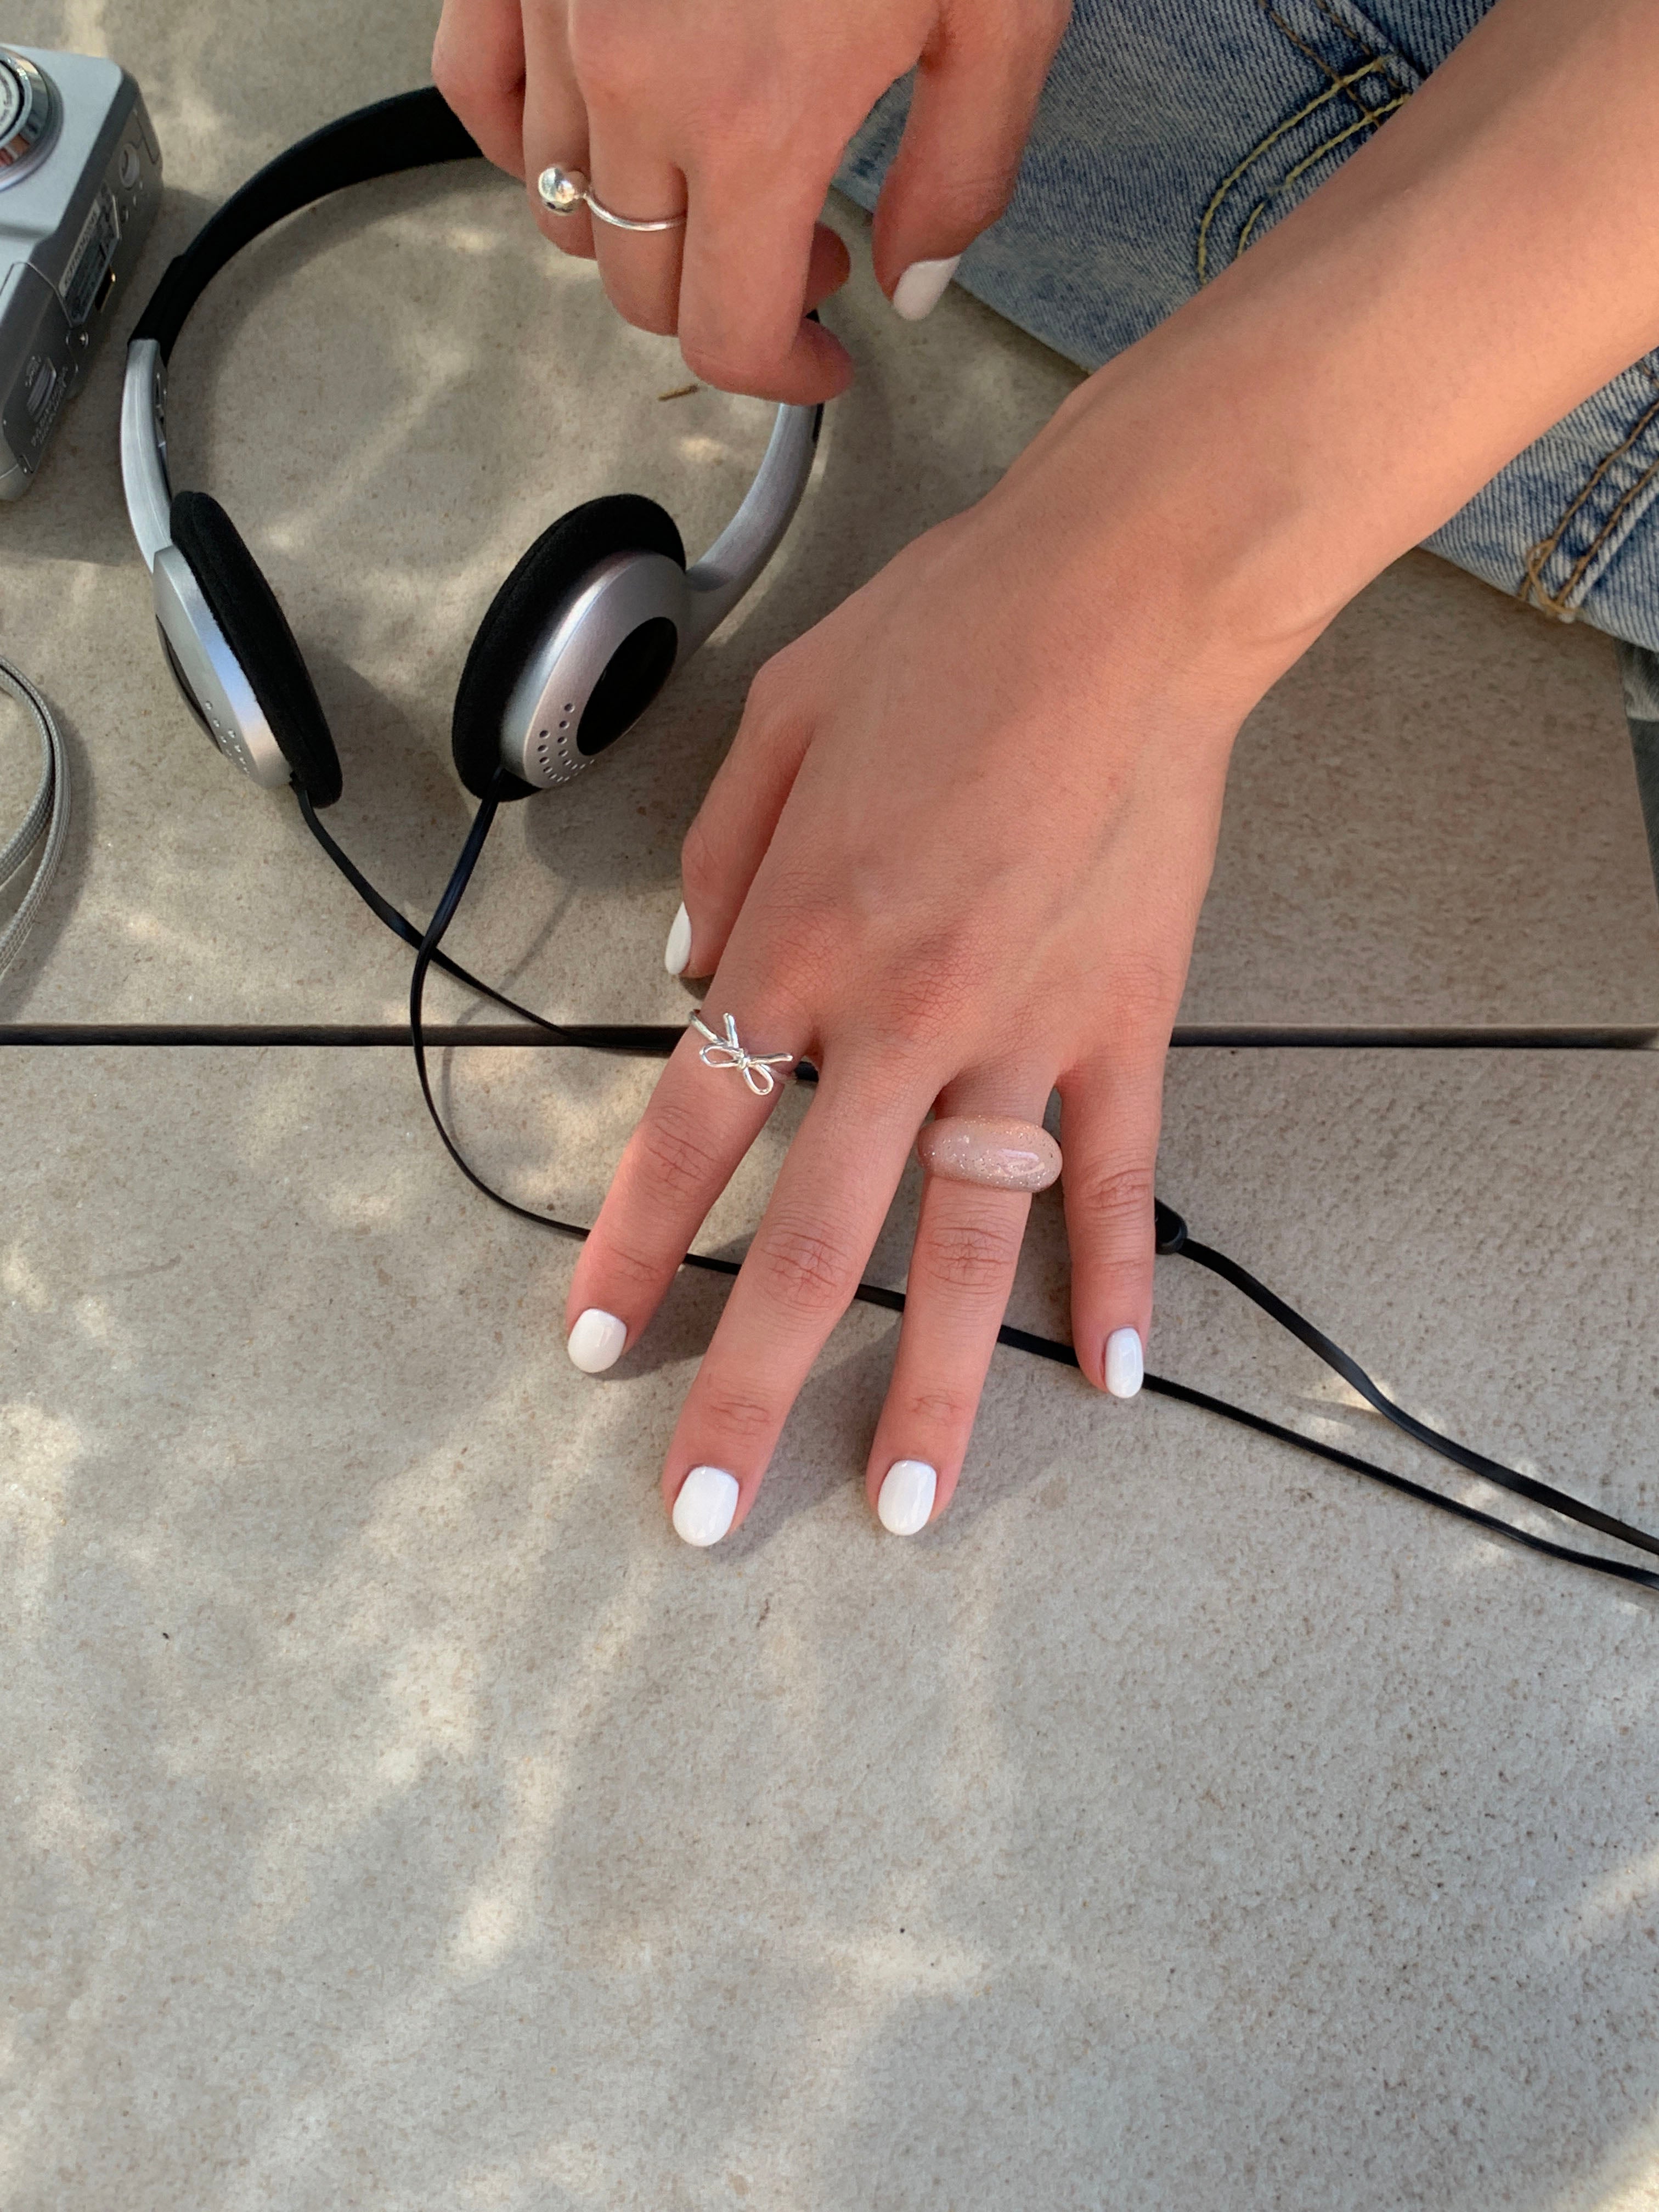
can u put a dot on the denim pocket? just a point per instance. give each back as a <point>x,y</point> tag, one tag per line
<point>1615,499</point>
<point>1364,79</point>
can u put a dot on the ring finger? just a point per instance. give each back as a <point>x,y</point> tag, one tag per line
<point>962,1271</point>
<point>639,269</point>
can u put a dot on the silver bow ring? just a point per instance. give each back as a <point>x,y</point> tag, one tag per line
<point>755,1068</point>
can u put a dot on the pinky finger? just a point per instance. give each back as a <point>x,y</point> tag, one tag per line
<point>477,65</point>
<point>1110,1114</point>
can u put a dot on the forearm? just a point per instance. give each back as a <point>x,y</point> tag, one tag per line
<point>1489,259</point>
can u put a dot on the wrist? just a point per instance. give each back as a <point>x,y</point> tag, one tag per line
<point>1187,470</point>
<point>1351,382</point>
<point>1152,509</point>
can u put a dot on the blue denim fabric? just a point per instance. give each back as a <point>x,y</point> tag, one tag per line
<point>1170,134</point>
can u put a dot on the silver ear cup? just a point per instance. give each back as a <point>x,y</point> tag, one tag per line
<point>606,653</point>
<point>209,676</point>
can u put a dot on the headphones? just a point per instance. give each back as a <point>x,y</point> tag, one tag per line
<point>591,624</point>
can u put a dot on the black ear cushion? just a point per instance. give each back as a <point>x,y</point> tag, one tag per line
<point>256,629</point>
<point>549,571</point>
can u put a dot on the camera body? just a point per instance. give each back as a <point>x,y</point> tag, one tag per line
<point>80,182</point>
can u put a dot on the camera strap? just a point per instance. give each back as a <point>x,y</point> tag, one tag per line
<point>1173,1240</point>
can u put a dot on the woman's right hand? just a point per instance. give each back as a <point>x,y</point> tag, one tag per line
<point>737,112</point>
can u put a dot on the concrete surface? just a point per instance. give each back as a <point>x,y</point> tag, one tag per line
<point>396,1815</point>
<point>399,1816</point>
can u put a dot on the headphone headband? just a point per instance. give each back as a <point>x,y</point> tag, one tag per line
<point>411,131</point>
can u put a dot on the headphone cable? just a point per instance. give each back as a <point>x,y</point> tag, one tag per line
<point>658,1041</point>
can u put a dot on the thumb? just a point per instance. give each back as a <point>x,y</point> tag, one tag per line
<point>727,841</point>
<point>977,90</point>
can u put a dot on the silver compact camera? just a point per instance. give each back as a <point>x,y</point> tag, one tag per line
<point>80,180</point>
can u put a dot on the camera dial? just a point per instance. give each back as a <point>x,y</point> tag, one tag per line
<point>28,113</point>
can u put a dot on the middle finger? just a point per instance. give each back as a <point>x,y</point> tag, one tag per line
<point>639,269</point>
<point>798,1279</point>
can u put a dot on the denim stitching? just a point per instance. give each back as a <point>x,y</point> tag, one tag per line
<point>1333,91</point>
<point>1301,45</point>
<point>1383,60</point>
<point>1532,589</point>
<point>1399,73</point>
<point>1328,69</point>
<point>1370,120</point>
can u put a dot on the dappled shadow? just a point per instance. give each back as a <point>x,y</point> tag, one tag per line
<point>1175,1823</point>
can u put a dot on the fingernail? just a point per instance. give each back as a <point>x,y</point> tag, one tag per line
<point>596,1341</point>
<point>907,1497</point>
<point>1124,1364</point>
<point>678,951</point>
<point>921,288</point>
<point>703,1509</point>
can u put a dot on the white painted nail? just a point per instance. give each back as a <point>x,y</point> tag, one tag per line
<point>596,1341</point>
<point>921,288</point>
<point>1124,1364</point>
<point>907,1497</point>
<point>703,1509</point>
<point>678,951</point>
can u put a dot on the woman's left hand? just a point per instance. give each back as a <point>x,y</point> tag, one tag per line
<point>954,858</point>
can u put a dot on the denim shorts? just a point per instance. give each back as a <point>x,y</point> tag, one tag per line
<point>1170,134</point>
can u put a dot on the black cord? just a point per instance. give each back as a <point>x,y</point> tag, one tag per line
<point>1172,1240</point>
<point>652,1040</point>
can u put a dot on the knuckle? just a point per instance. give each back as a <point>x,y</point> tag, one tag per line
<point>1144,994</point>
<point>446,72</point>
<point>971,201</point>
<point>629,1269</point>
<point>924,998</point>
<point>674,1158</point>
<point>970,1256</point>
<point>806,1268</point>
<point>466,88</point>
<point>769,688</point>
<point>702,865</point>
<point>742,369</point>
<point>1115,1201</point>
<point>939,1411</point>
<point>737,1414</point>
<point>609,59</point>
<point>642,310</point>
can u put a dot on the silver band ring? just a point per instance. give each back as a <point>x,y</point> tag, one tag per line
<point>755,1068</point>
<point>561,191</point>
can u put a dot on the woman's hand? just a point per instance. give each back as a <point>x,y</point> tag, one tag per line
<point>954,858</point>
<point>737,112</point>
<point>957,854</point>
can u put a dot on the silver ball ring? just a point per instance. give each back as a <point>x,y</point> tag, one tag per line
<point>561,191</point>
